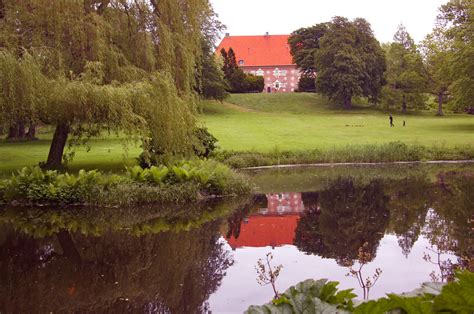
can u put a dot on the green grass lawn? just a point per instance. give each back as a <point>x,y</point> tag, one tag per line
<point>265,122</point>
<point>105,154</point>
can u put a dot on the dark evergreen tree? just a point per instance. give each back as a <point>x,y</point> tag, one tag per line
<point>238,80</point>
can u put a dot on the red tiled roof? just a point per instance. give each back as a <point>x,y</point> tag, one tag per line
<point>259,50</point>
<point>260,231</point>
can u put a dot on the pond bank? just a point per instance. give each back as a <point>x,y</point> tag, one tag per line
<point>351,154</point>
<point>184,181</point>
<point>335,164</point>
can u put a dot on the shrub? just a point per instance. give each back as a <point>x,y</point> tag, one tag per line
<point>320,296</point>
<point>255,84</point>
<point>203,146</point>
<point>206,142</point>
<point>306,84</point>
<point>183,180</point>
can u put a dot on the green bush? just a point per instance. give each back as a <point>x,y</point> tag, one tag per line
<point>306,84</point>
<point>38,186</point>
<point>184,180</point>
<point>320,296</point>
<point>206,142</point>
<point>255,84</point>
<point>211,176</point>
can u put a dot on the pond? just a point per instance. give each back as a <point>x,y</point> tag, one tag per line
<point>414,223</point>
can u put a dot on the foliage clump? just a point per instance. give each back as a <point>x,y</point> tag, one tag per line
<point>182,181</point>
<point>238,80</point>
<point>311,296</point>
<point>89,67</point>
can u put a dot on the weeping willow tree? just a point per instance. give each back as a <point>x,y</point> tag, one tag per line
<point>115,65</point>
<point>21,96</point>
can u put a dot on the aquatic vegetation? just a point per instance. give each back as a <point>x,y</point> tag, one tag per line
<point>266,274</point>
<point>364,257</point>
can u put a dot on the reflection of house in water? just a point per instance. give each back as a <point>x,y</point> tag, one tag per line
<point>274,222</point>
<point>283,203</point>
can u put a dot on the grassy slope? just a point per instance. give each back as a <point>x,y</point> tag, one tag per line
<point>304,121</point>
<point>263,122</point>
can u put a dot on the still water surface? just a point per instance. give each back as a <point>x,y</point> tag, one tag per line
<point>416,224</point>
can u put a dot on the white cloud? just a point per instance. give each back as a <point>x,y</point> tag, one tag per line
<point>255,17</point>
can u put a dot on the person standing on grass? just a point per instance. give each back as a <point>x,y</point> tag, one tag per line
<point>391,120</point>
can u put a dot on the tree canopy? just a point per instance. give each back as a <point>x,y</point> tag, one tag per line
<point>112,64</point>
<point>349,61</point>
<point>303,44</point>
<point>406,75</point>
<point>456,24</point>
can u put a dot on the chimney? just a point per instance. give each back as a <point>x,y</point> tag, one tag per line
<point>267,34</point>
<point>227,34</point>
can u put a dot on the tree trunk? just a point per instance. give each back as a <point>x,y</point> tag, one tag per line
<point>2,10</point>
<point>69,247</point>
<point>56,150</point>
<point>12,132</point>
<point>31,135</point>
<point>404,104</point>
<point>440,104</point>
<point>347,102</point>
<point>21,130</point>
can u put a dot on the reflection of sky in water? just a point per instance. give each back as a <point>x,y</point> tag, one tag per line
<point>239,288</point>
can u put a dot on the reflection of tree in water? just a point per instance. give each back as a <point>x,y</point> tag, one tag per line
<point>437,232</point>
<point>450,229</point>
<point>349,216</point>
<point>116,272</point>
<point>408,207</point>
<point>310,200</point>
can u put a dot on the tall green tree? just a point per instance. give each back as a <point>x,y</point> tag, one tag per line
<point>100,52</point>
<point>349,61</point>
<point>21,94</point>
<point>437,57</point>
<point>303,44</point>
<point>232,73</point>
<point>210,77</point>
<point>456,20</point>
<point>406,75</point>
<point>238,80</point>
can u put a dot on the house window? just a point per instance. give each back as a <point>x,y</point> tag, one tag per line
<point>276,72</point>
<point>241,62</point>
<point>259,72</point>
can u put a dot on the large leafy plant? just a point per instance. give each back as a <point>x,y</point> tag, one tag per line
<point>320,296</point>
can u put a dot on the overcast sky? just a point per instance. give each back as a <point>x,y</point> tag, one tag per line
<point>255,17</point>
